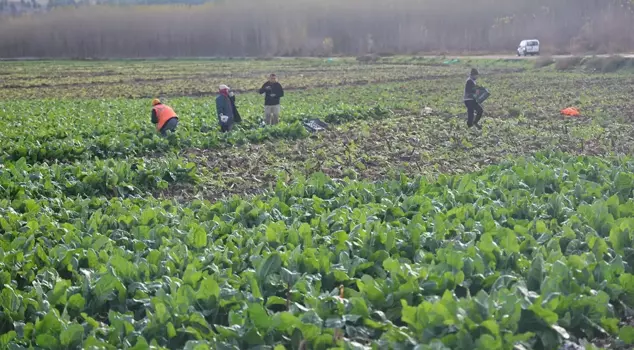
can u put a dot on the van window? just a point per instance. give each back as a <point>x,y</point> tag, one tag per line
<point>533,43</point>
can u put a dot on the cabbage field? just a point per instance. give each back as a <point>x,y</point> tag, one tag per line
<point>396,228</point>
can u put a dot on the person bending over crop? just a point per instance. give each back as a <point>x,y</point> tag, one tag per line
<point>224,109</point>
<point>473,107</point>
<point>164,117</point>
<point>273,92</point>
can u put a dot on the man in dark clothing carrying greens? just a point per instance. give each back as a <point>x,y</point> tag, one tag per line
<point>473,107</point>
<point>273,91</point>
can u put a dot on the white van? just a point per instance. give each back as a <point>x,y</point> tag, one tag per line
<point>528,47</point>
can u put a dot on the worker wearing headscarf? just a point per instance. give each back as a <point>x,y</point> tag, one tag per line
<point>224,110</point>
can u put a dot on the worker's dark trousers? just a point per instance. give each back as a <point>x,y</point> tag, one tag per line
<point>169,126</point>
<point>473,107</point>
<point>226,127</point>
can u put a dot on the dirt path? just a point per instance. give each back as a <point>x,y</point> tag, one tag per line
<point>515,57</point>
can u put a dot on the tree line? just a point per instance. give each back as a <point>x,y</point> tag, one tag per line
<point>319,27</point>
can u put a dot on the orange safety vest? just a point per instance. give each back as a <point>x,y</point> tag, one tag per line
<point>163,114</point>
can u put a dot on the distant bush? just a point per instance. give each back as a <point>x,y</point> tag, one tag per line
<point>567,63</point>
<point>368,58</point>
<point>609,64</point>
<point>544,61</point>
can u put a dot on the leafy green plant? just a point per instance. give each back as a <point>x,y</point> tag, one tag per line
<point>514,254</point>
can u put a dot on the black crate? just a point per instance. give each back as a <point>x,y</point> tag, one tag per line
<point>482,94</point>
<point>314,125</point>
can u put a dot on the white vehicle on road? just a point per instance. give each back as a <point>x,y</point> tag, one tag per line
<point>528,47</point>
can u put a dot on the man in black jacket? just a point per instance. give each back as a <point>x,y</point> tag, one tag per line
<point>473,107</point>
<point>273,91</point>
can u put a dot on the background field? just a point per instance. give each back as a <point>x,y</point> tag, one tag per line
<point>396,228</point>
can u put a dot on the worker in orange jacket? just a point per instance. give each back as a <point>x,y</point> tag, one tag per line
<point>164,117</point>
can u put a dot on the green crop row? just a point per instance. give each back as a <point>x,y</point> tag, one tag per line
<point>66,130</point>
<point>529,253</point>
<point>19,180</point>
